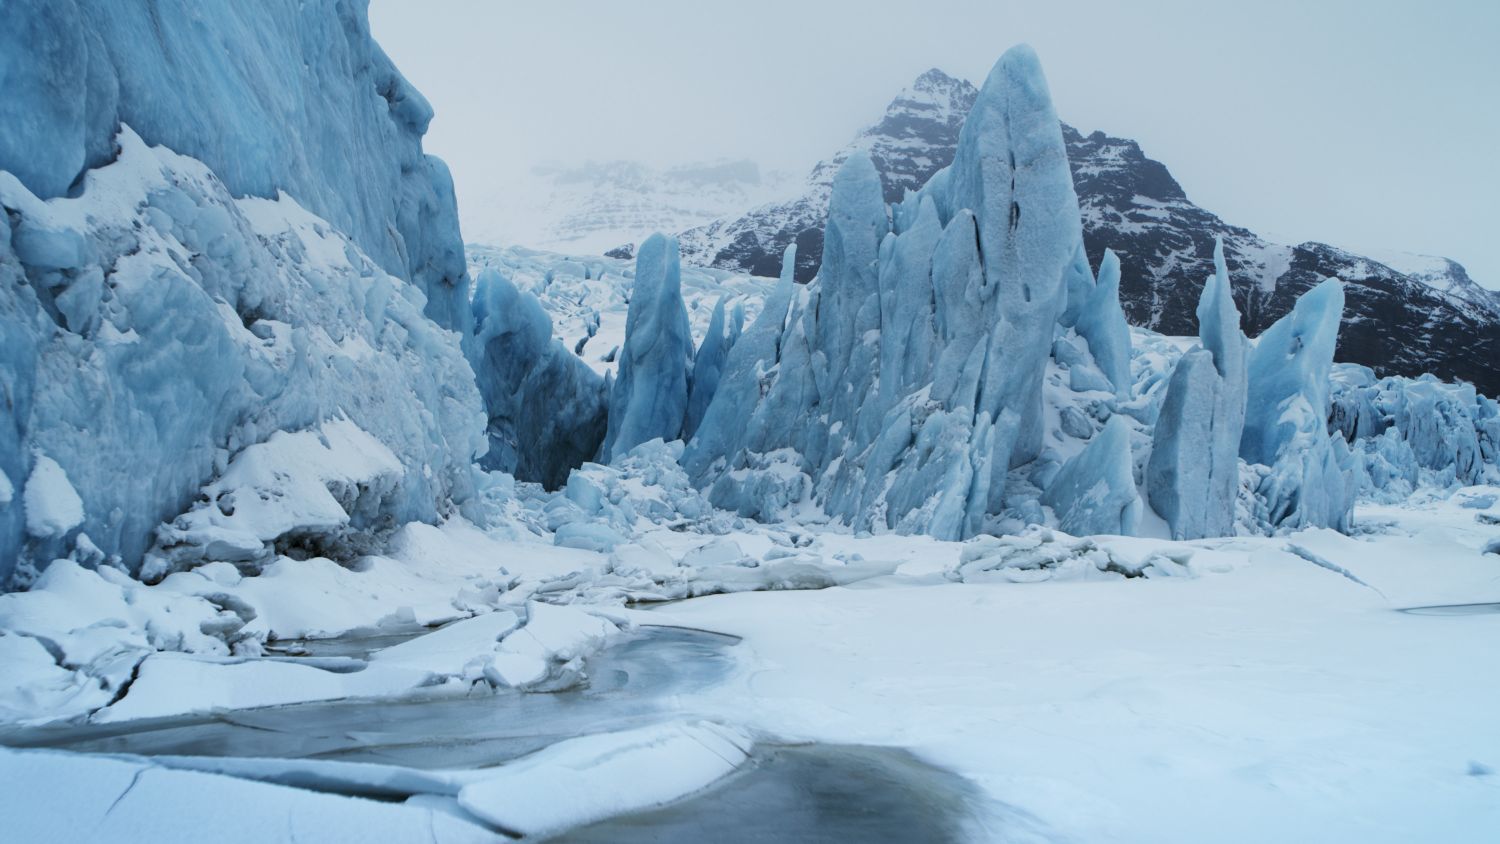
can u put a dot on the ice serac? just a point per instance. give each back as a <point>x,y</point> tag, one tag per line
<point>1095,491</point>
<point>1408,433</point>
<point>1311,480</point>
<point>546,407</point>
<point>907,377</point>
<point>708,364</point>
<point>1192,476</point>
<point>1101,321</point>
<point>281,95</point>
<point>649,399</point>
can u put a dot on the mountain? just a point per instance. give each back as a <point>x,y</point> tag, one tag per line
<point>1405,314</point>
<point>599,205</point>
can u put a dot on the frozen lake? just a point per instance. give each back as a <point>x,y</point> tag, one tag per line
<point>786,792</point>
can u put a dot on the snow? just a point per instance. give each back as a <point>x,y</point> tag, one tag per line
<point>52,505</point>
<point>310,485</point>
<point>605,775</point>
<point>177,684</point>
<point>69,797</point>
<point>1271,700</point>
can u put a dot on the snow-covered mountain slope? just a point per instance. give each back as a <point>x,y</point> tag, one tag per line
<point>599,206</point>
<point>1405,314</point>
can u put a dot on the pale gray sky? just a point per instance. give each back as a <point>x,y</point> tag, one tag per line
<point>1369,125</point>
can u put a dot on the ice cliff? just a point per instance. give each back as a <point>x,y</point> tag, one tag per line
<point>219,225</point>
<point>275,95</point>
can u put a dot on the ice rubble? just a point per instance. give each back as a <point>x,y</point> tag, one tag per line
<point>305,102</point>
<point>1411,433</point>
<point>547,409</point>
<point>152,326</point>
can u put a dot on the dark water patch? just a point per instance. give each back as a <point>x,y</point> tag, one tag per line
<point>1455,609</point>
<point>816,794</point>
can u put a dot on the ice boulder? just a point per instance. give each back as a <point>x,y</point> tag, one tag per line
<point>273,96</point>
<point>546,407</point>
<point>649,399</point>
<point>1192,476</point>
<point>1311,480</point>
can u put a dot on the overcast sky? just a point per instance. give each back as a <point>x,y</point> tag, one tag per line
<point>1369,125</point>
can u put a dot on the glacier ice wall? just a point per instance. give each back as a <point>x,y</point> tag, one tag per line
<point>152,326</point>
<point>1192,476</point>
<point>272,95</point>
<point>649,399</point>
<point>546,407</point>
<point>1311,480</point>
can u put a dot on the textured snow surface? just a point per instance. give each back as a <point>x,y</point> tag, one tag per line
<point>52,505</point>
<point>69,797</point>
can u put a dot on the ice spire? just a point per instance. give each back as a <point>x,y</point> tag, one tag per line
<point>1192,477</point>
<point>649,398</point>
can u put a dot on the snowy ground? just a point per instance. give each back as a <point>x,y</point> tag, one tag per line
<point>1247,689</point>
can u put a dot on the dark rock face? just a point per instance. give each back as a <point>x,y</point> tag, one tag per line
<point>1399,323</point>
